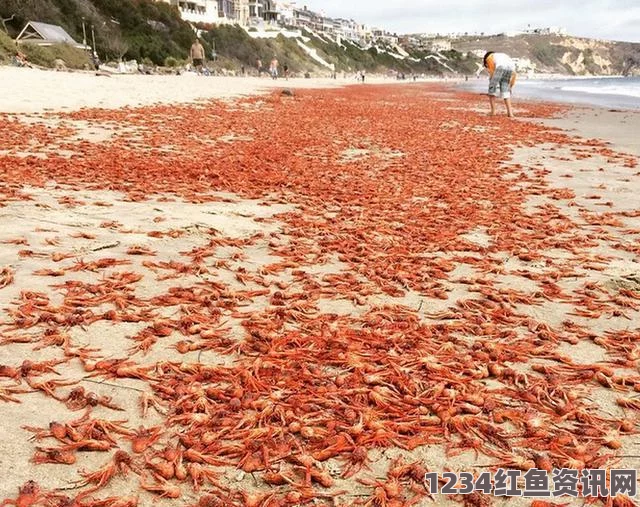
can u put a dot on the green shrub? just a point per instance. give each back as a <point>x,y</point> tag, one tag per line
<point>465,64</point>
<point>7,48</point>
<point>144,28</point>
<point>236,48</point>
<point>45,56</point>
<point>169,61</point>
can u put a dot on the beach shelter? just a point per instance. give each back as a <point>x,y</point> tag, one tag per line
<point>44,34</point>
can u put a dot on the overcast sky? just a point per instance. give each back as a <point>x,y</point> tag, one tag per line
<point>606,19</point>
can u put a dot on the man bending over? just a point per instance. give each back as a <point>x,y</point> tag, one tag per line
<point>502,72</point>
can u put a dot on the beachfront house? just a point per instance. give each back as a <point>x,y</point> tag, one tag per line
<point>365,34</point>
<point>256,9</point>
<point>271,12</point>
<point>278,13</point>
<point>304,18</point>
<point>263,11</point>
<point>548,30</point>
<point>347,29</point>
<point>206,11</point>
<point>381,35</point>
<point>241,12</point>
<point>285,12</point>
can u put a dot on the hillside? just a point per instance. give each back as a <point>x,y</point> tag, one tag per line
<point>135,29</point>
<point>561,54</point>
<point>153,33</point>
<point>235,47</point>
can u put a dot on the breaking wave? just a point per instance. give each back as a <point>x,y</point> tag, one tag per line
<point>627,91</point>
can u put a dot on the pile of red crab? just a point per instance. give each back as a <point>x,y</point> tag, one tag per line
<point>371,392</point>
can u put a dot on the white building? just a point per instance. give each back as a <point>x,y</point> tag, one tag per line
<point>241,12</point>
<point>285,12</point>
<point>308,19</point>
<point>383,36</point>
<point>208,11</point>
<point>347,29</point>
<point>365,33</point>
<point>276,13</point>
<point>557,30</point>
<point>549,30</point>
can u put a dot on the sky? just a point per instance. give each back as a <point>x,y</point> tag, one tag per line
<point>603,19</point>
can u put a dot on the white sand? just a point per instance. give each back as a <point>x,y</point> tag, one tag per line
<point>32,90</point>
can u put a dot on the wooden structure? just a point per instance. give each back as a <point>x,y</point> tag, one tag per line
<point>44,34</point>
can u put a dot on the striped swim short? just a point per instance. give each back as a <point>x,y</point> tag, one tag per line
<point>500,83</point>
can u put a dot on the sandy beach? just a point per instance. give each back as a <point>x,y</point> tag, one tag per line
<point>30,91</point>
<point>309,299</point>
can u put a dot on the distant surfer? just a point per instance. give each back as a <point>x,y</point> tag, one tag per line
<point>502,77</point>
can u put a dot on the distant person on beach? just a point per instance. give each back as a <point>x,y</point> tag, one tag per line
<point>259,66</point>
<point>502,77</point>
<point>197,55</point>
<point>96,61</point>
<point>21,60</point>
<point>273,68</point>
<point>285,71</point>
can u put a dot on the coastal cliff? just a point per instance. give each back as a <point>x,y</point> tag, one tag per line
<point>560,54</point>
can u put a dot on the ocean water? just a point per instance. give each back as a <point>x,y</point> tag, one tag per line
<point>614,93</point>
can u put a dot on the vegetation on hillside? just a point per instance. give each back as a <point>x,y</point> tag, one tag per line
<point>45,56</point>
<point>7,48</point>
<point>132,29</point>
<point>153,33</point>
<point>235,48</point>
<point>547,55</point>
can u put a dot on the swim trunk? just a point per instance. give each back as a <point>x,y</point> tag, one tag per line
<point>501,80</point>
<point>197,62</point>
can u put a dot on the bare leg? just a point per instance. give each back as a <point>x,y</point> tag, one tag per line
<point>492,102</point>
<point>507,103</point>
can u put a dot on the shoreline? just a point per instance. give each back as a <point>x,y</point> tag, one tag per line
<point>70,91</point>
<point>618,128</point>
<point>571,93</point>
